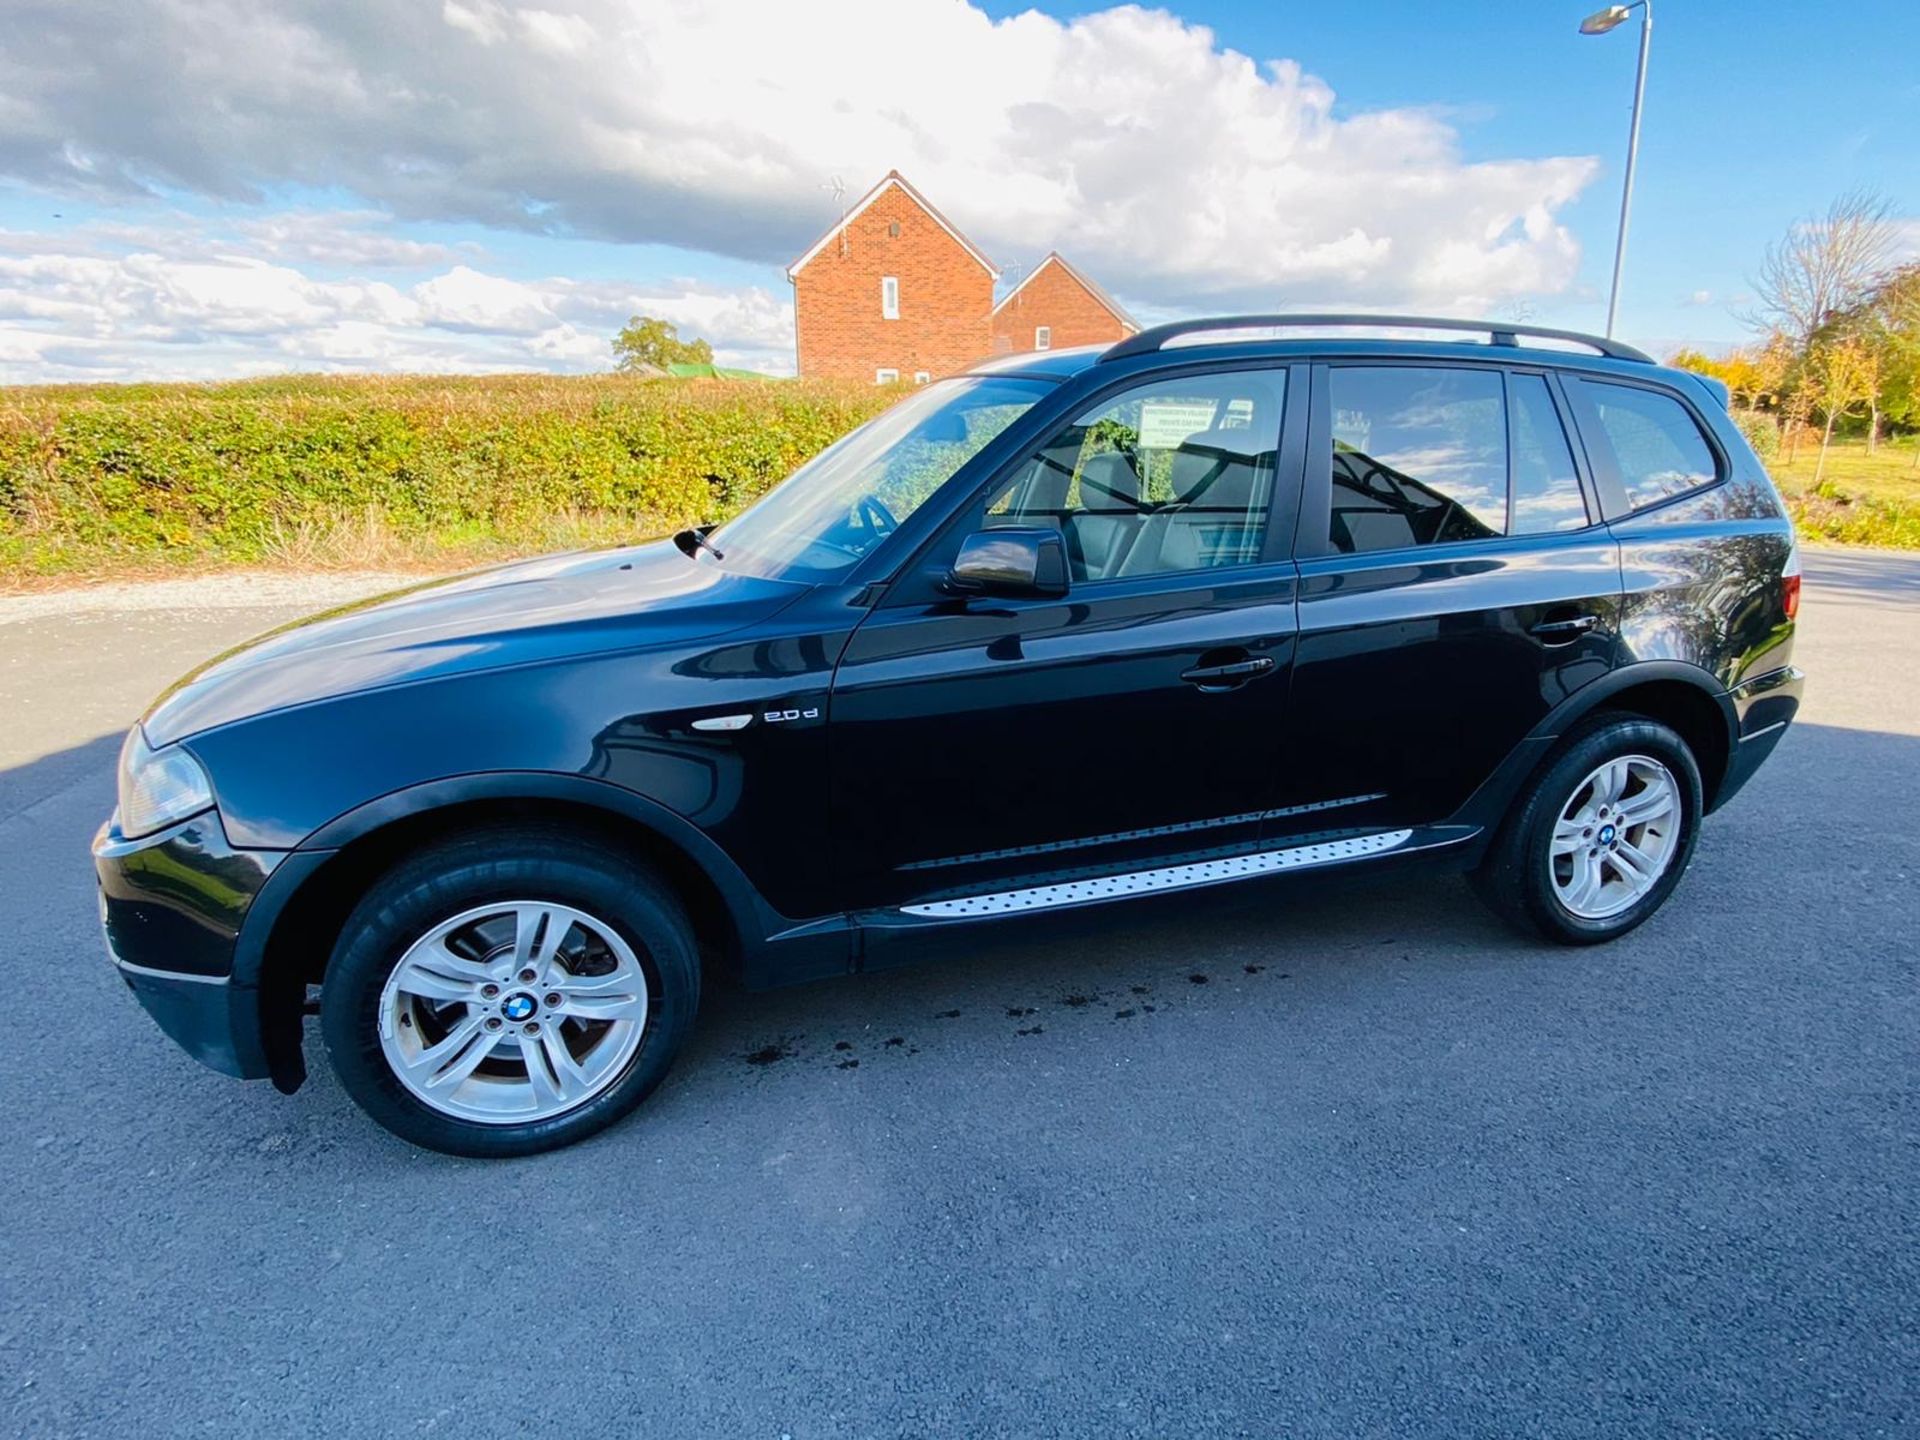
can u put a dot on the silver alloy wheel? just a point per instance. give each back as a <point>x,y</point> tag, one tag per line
<point>1615,837</point>
<point>512,1013</point>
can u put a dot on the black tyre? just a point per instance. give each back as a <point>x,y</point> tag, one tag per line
<point>1601,836</point>
<point>509,992</point>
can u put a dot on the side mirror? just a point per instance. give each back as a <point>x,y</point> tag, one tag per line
<point>1011,562</point>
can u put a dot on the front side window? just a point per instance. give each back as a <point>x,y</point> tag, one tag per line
<point>1419,456</point>
<point>1173,475</point>
<point>889,297</point>
<point>843,503</point>
<point>1656,444</point>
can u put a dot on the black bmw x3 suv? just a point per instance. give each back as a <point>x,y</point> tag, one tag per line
<point>1230,602</point>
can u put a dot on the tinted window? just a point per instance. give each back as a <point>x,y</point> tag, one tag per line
<point>1656,443</point>
<point>1546,489</point>
<point>1176,474</point>
<point>1419,456</point>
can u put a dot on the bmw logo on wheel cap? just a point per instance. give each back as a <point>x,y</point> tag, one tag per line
<point>1607,833</point>
<point>517,1007</point>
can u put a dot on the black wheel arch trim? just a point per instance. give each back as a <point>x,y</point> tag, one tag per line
<point>754,919</point>
<point>1487,807</point>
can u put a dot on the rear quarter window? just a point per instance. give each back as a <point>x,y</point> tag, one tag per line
<point>1656,443</point>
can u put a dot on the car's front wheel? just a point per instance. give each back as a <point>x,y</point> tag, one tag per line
<point>1602,836</point>
<point>509,992</point>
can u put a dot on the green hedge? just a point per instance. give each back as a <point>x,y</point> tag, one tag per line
<point>366,469</point>
<point>1762,432</point>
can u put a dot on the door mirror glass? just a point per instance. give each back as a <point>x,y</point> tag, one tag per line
<point>1011,562</point>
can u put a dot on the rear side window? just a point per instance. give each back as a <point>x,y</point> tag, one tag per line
<point>1657,445</point>
<point>1546,488</point>
<point>1419,456</point>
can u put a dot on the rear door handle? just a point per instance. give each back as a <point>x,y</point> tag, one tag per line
<point>1561,632</point>
<point>1226,677</point>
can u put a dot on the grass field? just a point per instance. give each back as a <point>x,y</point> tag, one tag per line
<point>1862,499</point>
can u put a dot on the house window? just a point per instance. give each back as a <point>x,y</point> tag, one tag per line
<point>889,297</point>
<point>921,377</point>
<point>886,377</point>
<point>1043,337</point>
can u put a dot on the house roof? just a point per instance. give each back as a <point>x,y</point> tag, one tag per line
<point>893,178</point>
<point>702,370</point>
<point>1054,257</point>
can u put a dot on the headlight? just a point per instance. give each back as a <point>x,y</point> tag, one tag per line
<point>158,787</point>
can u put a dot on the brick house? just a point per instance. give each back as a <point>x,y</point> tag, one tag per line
<point>1054,307</point>
<point>891,292</point>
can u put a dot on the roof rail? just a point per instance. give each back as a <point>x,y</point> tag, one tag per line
<point>1499,332</point>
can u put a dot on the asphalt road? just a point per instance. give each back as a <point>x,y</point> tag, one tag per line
<point>1390,1170</point>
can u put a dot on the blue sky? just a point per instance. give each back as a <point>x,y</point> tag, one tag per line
<point>1750,123</point>
<point>212,188</point>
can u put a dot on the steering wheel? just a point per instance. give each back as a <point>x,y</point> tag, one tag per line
<point>846,540</point>
<point>879,519</point>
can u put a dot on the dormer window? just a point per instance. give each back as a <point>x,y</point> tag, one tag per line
<point>889,297</point>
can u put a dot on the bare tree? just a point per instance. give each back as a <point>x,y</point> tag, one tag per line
<point>1824,267</point>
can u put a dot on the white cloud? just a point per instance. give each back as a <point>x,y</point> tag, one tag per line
<point>1179,172</point>
<point>170,300</point>
<point>1906,240</point>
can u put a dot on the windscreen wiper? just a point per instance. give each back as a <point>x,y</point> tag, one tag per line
<point>691,540</point>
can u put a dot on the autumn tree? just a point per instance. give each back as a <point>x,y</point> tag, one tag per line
<point>645,343</point>
<point>1739,370</point>
<point>1898,304</point>
<point>1888,323</point>
<point>1841,372</point>
<point>1810,287</point>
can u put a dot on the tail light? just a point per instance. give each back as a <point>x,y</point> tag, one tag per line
<point>1790,584</point>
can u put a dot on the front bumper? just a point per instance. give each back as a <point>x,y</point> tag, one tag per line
<point>208,1016</point>
<point>172,906</point>
<point>1764,706</point>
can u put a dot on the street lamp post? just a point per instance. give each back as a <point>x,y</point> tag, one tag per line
<point>1599,23</point>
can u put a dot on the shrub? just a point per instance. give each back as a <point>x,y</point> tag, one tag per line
<point>1762,432</point>
<point>333,468</point>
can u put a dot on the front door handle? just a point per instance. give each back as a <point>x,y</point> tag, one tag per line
<point>1564,631</point>
<point>1214,678</point>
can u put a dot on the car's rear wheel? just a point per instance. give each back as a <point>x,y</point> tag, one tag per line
<point>509,992</point>
<point>1601,837</point>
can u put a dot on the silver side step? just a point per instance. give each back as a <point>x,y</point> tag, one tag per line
<point>1170,877</point>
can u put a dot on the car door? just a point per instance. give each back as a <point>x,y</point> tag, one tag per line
<point>1455,586</point>
<point>980,741</point>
